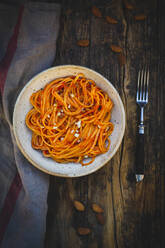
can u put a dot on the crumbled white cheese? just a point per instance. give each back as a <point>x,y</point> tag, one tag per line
<point>69,106</point>
<point>76,135</point>
<point>42,126</point>
<point>78,141</point>
<point>72,95</point>
<point>55,127</point>
<point>48,116</point>
<point>62,138</point>
<point>99,126</point>
<point>86,156</point>
<point>62,110</point>
<point>55,104</point>
<point>78,123</point>
<point>72,131</point>
<point>58,114</point>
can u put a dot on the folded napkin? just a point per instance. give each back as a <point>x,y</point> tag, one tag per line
<point>28,35</point>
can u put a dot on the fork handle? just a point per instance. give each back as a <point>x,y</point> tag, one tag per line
<point>139,167</point>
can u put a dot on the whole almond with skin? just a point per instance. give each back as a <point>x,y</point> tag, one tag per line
<point>79,206</point>
<point>96,12</point>
<point>128,5</point>
<point>68,11</point>
<point>116,49</point>
<point>83,43</point>
<point>96,208</point>
<point>83,230</point>
<point>122,59</point>
<point>140,17</point>
<point>100,218</point>
<point>111,20</point>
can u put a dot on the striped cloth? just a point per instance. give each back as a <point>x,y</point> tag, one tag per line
<point>27,46</point>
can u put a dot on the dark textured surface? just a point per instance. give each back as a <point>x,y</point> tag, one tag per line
<point>134,213</point>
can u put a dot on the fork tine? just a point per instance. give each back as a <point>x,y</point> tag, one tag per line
<point>138,86</point>
<point>145,85</point>
<point>147,81</point>
<point>141,84</point>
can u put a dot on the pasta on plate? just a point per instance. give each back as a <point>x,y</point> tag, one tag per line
<point>70,120</point>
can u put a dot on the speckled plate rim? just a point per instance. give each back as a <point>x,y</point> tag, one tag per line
<point>91,169</point>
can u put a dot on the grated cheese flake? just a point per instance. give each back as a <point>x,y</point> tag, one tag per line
<point>78,123</point>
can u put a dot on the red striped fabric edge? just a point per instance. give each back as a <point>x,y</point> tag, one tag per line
<point>11,48</point>
<point>9,204</point>
<point>16,185</point>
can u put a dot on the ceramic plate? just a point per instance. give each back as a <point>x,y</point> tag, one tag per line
<point>23,134</point>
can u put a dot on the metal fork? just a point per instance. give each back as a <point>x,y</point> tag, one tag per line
<point>141,100</point>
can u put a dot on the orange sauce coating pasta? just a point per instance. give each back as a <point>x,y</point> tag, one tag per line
<point>70,120</point>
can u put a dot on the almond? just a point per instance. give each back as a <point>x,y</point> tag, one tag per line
<point>83,230</point>
<point>96,12</point>
<point>128,5</point>
<point>100,218</point>
<point>83,43</point>
<point>111,20</point>
<point>68,11</point>
<point>116,49</point>
<point>140,17</point>
<point>96,208</point>
<point>79,206</point>
<point>122,59</point>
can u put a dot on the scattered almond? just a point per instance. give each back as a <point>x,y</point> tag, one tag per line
<point>83,43</point>
<point>83,230</point>
<point>116,49</point>
<point>128,5</point>
<point>96,208</point>
<point>140,17</point>
<point>79,206</point>
<point>111,20</point>
<point>100,218</point>
<point>68,11</point>
<point>96,12</point>
<point>122,59</point>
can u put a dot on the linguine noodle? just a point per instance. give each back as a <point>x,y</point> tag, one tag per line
<point>70,120</point>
